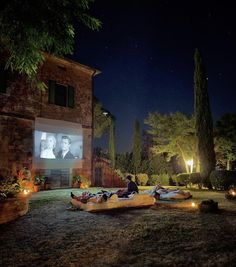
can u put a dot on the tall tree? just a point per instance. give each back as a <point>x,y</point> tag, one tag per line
<point>101,119</point>
<point>28,28</point>
<point>124,162</point>
<point>103,122</point>
<point>137,147</point>
<point>111,147</point>
<point>203,119</point>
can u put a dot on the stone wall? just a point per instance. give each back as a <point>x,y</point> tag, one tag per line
<point>16,144</point>
<point>22,103</point>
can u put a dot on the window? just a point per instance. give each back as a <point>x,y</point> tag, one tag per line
<point>3,80</point>
<point>61,95</point>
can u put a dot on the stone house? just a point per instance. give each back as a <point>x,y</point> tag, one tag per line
<point>29,116</point>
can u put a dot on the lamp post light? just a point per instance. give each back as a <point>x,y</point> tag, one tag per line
<point>190,164</point>
<point>105,113</point>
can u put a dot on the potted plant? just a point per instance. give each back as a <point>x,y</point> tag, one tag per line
<point>37,184</point>
<point>76,181</point>
<point>14,200</point>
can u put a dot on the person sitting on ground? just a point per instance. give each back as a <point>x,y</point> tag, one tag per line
<point>131,188</point>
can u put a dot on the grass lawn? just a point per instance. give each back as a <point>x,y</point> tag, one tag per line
<point>49,235</point>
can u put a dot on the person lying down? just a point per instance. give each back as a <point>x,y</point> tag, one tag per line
<point>99,197</point>
<point>160,192</point>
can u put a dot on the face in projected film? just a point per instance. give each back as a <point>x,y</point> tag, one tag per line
<point>58,146</point>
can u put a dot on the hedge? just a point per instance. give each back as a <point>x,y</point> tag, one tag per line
<point>222,179</point>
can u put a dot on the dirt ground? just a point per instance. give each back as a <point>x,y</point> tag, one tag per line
<point>50,235</point>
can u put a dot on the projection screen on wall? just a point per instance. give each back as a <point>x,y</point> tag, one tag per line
<point>57,143</point>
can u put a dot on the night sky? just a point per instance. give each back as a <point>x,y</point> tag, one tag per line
<point>145,52</point>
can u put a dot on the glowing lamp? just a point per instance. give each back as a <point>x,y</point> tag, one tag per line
<point>26,192</point>
<point>190,164</point>
<point>193,204</point>
<point>233,193</point>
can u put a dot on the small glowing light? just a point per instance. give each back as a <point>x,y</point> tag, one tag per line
<point>25,191</point>
<point>193,204</point>
<point>233,193</point>
<point>190,162</point>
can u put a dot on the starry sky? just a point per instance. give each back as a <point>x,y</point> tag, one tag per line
<point>145,52</point>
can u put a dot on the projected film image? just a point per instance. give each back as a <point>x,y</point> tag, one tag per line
<point>58,146</point>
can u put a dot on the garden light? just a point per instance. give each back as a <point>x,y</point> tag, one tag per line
<point>190,164</point>
<point>26,192</point>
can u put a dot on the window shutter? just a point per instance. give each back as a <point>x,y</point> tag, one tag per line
<point>3,80</point>
<point>51,92</point>
<point>71,97</point>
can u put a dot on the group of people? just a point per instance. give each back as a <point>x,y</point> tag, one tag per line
<point>103,195</point>
<point>48,148</point>
<point>158,192</point>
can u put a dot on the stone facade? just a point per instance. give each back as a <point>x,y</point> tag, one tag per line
<point>22,103</point>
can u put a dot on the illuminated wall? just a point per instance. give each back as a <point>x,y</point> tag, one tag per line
<point>61,121</point>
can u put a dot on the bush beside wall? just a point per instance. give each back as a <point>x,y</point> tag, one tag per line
<point>222,179</point>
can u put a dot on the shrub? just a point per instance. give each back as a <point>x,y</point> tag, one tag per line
<point>195,179</point>
<point>164,179</point>
<point>9,188</point>
<point>153,179</point>
<point>183,179</point>
<point>142,178</point>
<point>222,179</point>
<point>173,179</point>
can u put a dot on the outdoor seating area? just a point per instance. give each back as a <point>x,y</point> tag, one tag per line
<point>117,134</point>
<point>54,236</point>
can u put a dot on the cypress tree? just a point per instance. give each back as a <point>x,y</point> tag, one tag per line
<point>111,146</point>
<point>203,120</point>
<point>137,147</point>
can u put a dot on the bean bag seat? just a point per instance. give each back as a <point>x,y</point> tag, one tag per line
<point>134,200</point>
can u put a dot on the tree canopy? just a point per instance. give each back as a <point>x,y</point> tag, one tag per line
<point>103,122</point>
<point>225,140</point>
<point>28,28</point>
<point>173,134</point>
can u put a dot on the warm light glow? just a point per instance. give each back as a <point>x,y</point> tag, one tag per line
<point>233,193</point>
<point>190,164</point>
<point>193,204</point>
<point>26,192</point>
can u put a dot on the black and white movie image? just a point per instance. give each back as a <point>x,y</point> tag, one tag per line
<point>58,146</point>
